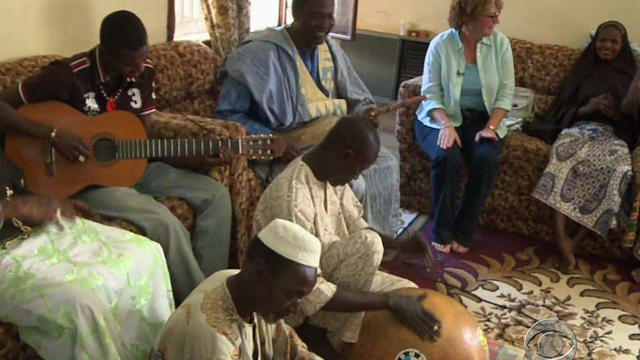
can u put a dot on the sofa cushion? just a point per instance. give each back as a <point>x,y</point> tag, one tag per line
<point>15,70</point>
<point>542,104</point>
<point>203,105</point>
<point>541,67</point>
<point>185,70</point>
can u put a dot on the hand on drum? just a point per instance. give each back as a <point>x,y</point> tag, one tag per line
<point>408,310</point>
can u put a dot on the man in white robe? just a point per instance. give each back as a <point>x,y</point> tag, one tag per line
<point>237,314</point>
<point>312,193</point>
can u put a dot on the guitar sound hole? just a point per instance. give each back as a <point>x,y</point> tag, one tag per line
<point>104,150</point>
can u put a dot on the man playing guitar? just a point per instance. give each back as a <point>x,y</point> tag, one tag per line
<point>117,75</point>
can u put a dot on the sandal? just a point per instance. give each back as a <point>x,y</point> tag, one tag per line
<point>413,228</point>
<point>443,248</point>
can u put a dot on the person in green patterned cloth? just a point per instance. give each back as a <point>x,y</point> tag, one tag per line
<point>74,288</point>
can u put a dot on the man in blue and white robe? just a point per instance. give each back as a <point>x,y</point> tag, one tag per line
<point>282,78</point>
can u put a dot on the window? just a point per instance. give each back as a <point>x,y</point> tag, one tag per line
<point>345,16</point>
<point>264,14</point>
<point>190,25</point>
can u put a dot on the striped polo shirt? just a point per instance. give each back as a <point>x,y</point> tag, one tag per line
<point>81,82</point>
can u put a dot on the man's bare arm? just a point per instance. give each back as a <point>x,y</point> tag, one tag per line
<point>12,121</point>
<point>68,143</point>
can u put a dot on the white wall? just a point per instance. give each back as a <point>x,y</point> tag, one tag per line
<point>551,21</point>
<point>66,27</point>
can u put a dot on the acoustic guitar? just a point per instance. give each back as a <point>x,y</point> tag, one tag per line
<point>119,145</point>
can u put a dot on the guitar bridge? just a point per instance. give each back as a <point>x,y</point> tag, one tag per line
<point>49,159</point>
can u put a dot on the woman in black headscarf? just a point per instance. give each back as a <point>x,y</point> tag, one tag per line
<point>590,164</point>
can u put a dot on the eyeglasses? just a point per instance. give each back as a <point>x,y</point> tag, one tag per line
<point>493,17</point>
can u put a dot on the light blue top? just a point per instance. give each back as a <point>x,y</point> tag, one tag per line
<point>310,60</point>
<point>443,76</point>
<point>260,83</point>
<point>236,103</point>
<point>471,95</point>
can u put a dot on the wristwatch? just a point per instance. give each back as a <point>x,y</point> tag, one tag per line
<point>492,127</point>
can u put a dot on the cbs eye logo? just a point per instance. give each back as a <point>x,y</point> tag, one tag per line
<point>550,339</point>
<point>410,354</point>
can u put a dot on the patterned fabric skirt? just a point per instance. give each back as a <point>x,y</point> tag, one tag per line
<point>85,292</point>
<point>587,177</point>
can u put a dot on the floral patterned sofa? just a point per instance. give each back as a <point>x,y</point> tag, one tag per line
<point>186,92</point>
<point>510,207</point>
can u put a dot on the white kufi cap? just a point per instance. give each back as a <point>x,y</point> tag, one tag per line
<point>292,242</point>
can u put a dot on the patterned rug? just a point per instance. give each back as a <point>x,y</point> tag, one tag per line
<point>599,300</point>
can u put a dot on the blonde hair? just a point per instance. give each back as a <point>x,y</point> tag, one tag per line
<point>463,11</point>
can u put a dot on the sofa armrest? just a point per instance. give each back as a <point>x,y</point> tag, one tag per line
<point>166,125</point>
<point>522,161</point>
<point>410,88</point>
<point>245,188</point>
<point>172,125</point>
<point>405,116</point>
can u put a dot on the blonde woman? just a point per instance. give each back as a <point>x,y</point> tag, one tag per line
<point>469,83</point>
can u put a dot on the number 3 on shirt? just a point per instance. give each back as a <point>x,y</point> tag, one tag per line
<point>136,98</point>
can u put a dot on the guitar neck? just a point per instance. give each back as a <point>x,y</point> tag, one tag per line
<point>153,148</point>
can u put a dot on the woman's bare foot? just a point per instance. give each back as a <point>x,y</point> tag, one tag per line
<point>567,261</point>
<point>441,247</point>
<point>459,248</point>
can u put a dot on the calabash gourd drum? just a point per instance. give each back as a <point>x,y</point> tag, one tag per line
<point>382,337</point>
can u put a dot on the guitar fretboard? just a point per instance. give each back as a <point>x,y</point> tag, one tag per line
<point>150,148</point>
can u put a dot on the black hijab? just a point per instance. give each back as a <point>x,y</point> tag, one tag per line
<point>589,77</point>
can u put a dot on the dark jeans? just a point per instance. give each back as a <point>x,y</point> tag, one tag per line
<point>446,169</point>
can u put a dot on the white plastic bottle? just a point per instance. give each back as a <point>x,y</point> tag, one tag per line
<point>403,28</point>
